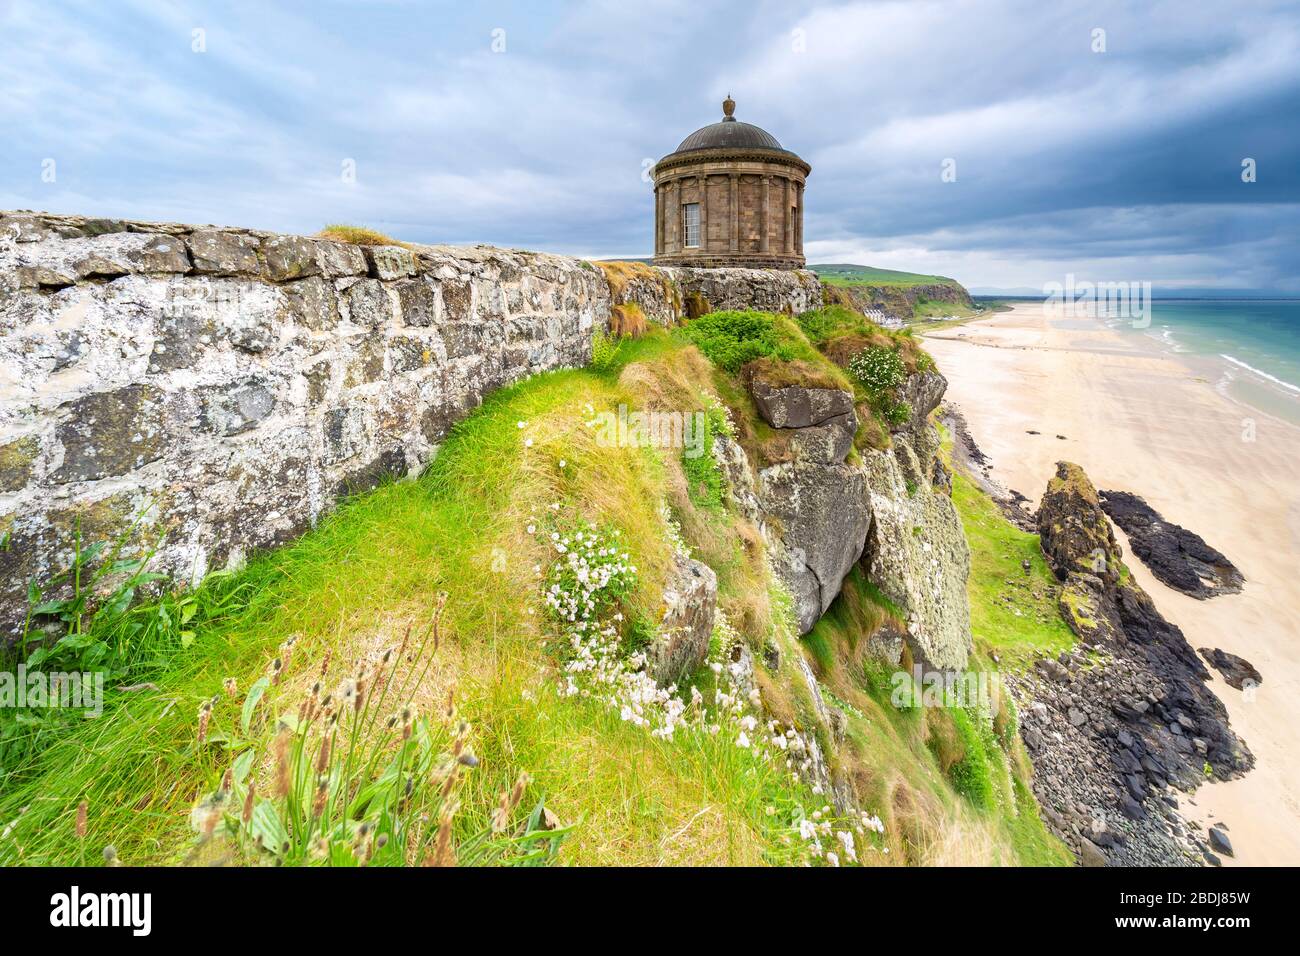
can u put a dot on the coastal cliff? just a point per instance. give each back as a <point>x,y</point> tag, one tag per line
<point>893,306</point>
<point>694,521</point>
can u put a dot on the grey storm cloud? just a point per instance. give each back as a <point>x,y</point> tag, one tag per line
<point>530,124</point>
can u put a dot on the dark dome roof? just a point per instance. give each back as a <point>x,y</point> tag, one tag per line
<point>730,133</point>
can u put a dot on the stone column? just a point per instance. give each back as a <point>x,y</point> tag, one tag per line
<point>704,212</point>
<point>659,220</point>
<point>798,229</point>
<point>786,217</point>
<point>673,218</point>
<point>766,202</point>
<point>666,189</point>
<point>735,212</point>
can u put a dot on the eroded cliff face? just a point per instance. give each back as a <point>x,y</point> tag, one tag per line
<point>917,553</point>
<point>894,306</point>
<point>829,507</point>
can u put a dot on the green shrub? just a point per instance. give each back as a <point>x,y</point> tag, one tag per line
<point>822,324</point>
<point>704,479</point>
<point>897,413</point>
<point>730,339</point>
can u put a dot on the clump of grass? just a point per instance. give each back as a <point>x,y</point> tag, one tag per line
<point>628,320</point>
<point>822,324</point>
<point>105,617</point>
<point>731,339</point>
<point>79,619</point>
<point>819,646</point>
<point>354,776</point>
<point>1014,613</point>
<point>622,274</point>
<point>358,236</point>
<point>704,479</point>
<point>604,351</point>
<point>963,752</point>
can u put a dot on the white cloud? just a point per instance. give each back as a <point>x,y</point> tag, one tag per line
<point>1116,161</point>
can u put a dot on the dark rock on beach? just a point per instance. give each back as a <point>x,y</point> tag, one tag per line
<point>1176,556</point>
<point>1125,720</point>
<point>1219,841</point>
<point>1235,670</point>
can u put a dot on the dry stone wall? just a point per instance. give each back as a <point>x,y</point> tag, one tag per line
<point>665,295</point>
<point>235,384</point>
<point>230,385</point>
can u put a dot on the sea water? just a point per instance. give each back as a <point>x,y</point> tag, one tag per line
<point>1249,349</point>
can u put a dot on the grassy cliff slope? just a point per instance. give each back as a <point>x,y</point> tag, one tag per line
<point>468,742</point>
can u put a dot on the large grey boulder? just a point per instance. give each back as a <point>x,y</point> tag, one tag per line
<point>923,391</point>
<point>797,406</point>
<point>813,507</point>
<point>819,513</point>
<point>828,443</point>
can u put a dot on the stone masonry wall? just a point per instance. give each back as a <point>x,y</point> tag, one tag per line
<point>240,382</point>
<point>690,291</point>
<point>231,385</point>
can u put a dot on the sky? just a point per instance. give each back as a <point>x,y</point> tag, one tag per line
<point>1007,144</point>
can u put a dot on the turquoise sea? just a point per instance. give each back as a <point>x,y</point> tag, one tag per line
<point>1248,348</point>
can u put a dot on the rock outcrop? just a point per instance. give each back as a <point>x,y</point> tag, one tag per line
<point>665,295</point>
<point>814,506</point>
<point>894,306</point>
<point>789,291</point>
<point>825,509</point>
<point>916,551</point>
<point>682,639</point>
<point>1128,715</point>
<point>1237,671</point>
<point>1176,556</point>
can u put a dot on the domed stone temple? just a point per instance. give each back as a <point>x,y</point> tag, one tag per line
<point>730,196</point>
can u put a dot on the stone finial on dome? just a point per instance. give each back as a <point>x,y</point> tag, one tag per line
<point>728,109</point>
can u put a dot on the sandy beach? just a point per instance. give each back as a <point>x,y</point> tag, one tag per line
<point>1141,421</point>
